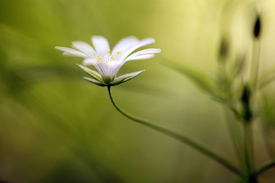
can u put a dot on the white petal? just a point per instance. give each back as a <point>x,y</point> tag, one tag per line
<point>143,42</point>
<point>89,61</point>
<point>84,48</point>
<point>140,57</point>
<point>124,44</point>
<point>71,52</point>
<point>138,54</point>
<point>101,45</point>
<point>108,70</point>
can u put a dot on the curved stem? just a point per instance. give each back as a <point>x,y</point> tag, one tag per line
<point>269,164</point>
<point>179,137</point>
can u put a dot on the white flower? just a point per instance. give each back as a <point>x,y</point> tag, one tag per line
<point>108,62</point>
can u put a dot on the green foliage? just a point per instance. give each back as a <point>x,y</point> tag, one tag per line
<point>202,80</point>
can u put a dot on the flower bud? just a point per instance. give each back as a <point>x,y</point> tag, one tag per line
<point>257,27</point>
<point>245,100</point>
<point>224,47</point>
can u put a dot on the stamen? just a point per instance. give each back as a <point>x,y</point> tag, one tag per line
<point>94,54</point>
<point>112,57</point>
<point>118,52</point>
<point>106,58</point>
<point>108,51</point>
<point>98,58</point>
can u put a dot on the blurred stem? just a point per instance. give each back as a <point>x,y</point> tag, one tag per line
<point>233,126</point>
<point>253,176</point>
<point>248,136</point>
<point>179,137</point>
<point>248,148</point>
<point>267,165</point>
<point>236,137</point>
<point>255,65</point>
<point>266,128</point>
<point>222,77</point>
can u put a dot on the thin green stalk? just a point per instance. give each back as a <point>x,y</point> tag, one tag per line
<point>255,65</point>
<point>265,166</point>
<point>236,138</point>
<point>248,148</point>
<point>266,127</point>
<point>248,136</point>
<point>179,137</point>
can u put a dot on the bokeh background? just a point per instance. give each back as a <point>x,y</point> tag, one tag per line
<point>57,127</point>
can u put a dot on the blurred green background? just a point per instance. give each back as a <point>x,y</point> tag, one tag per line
<point>57,127</point>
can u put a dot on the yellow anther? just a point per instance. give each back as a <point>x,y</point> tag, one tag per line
<point>99,58</point>
<point>94,54</point>
<point>108,51</point>
<point>112,57</point>
<point>118,52</point>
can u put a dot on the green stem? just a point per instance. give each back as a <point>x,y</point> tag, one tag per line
<point>255,65</point>
<point>236,137</point>
<point>248,137</point>
<point>267,165</point>
<point>179,137</point>
<point>248,147</point>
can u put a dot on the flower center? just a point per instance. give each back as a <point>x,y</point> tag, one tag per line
<point>107,57</point>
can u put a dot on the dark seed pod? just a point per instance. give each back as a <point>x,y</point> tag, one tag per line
<point>257,27</point>
<point>245,98</point>
<point>223,52</point>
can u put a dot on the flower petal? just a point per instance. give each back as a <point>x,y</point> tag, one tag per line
<point>108,70</point>
<point>92,73</point>
<point>101,45</point>
<point>84,48</point>
<point>124,44</point>
<point>141,54</point>
<point>125,77</point>
<point>88,61</point>
<point>143,42</point>
<point>140,57</point>
<point>95,81</point>
<point>71,52</point>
